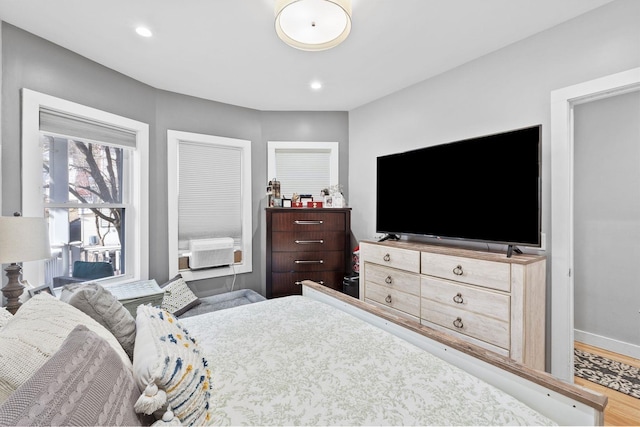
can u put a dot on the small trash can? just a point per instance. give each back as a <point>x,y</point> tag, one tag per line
<point>351,285</point>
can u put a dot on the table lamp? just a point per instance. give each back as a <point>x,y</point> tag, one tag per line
<point>21,239</point>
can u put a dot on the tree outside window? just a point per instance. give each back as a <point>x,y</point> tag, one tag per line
<point>83,198</point>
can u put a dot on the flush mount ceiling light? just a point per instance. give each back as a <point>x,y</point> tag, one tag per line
<point>313,24</point>
<point>144,32</point>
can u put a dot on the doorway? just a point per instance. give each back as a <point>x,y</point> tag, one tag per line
<point>563,102</point>
<point>606,221</point>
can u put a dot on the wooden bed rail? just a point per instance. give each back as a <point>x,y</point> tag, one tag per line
<point>540,390</point>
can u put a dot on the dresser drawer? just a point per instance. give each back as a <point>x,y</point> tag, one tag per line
<point>290,283</point>
<point>392,278</point>
<point>490,274</point>
<point>472,299</point>
<point>306,241</point>
<point>402,259</point>
<point>308,261</point>
<point>309,220</point>
<point>394,298</point>
<point>475,325</point>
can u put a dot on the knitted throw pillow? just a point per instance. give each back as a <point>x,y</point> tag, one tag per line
<point>5,316</point>
<point>35,333</point>
<point>97,302</point>
<point>171,368</point>
<point>178,298</point>
<point>84,383</point>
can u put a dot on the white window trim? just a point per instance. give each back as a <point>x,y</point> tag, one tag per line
<point>174,137</point>
<point>273,146</point>
<point>136,238</point>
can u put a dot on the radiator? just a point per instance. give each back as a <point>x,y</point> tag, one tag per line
<point>206,253</point>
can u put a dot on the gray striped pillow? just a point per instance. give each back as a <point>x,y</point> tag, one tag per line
<point>84,383</point>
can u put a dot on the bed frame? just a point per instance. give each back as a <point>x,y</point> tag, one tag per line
<point>566,404</point>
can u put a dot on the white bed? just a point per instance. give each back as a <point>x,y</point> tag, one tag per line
<point>324,359</point>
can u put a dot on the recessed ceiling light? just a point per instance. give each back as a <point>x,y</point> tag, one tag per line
<point>316,85</point>
<point>144,32</point>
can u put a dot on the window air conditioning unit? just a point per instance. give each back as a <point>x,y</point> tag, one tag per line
<point>206,253</point>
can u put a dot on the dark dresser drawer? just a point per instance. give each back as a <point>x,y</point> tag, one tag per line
<point>306,241</point>
<point>309,220</point>
<point>308,261</point>
<point>291,283</point>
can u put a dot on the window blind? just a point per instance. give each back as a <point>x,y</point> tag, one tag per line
<point>209,192</point>
<point>303,171</point>
<point>70,125</point>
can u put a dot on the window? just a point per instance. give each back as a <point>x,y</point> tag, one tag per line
<point>303,167</point>
<point>86,171</point>
<point>209,198</point>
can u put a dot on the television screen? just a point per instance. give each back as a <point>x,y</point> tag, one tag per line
<point>482,189</point>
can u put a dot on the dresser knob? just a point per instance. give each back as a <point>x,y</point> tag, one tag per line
<point>387,257</point>
<point>458,298</point>
<point>388,280</point>
<point>388,299</point>
<point>458,270</point>
<point>458,323</point>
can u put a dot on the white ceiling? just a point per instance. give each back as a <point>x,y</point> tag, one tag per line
<point>227,50</point>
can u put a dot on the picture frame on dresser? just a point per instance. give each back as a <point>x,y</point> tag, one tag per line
<point>47,289</point>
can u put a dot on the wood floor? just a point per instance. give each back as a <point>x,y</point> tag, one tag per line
<point>622,410</point>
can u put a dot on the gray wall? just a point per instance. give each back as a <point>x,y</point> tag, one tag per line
<point>504,90</point>
<point>31,62</point>
<point>607,219</point>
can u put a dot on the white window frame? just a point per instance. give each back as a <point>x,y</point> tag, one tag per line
<point>137,232</point>
<point>174,138</point>
<point>332,147</point>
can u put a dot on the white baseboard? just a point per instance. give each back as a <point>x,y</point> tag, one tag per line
<point>610,344</point>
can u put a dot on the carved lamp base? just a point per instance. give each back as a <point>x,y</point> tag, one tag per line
<point>14,288</point>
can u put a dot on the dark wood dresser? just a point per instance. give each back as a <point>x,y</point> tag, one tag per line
<point>307,244</point>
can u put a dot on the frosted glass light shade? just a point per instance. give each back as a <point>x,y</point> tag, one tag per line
<point>313,25</point>
<point>23,239</point>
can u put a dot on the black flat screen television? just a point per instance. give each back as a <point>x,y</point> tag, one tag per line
<point>485,189</point>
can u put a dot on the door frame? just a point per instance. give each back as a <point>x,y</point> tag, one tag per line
<point>563,102</point>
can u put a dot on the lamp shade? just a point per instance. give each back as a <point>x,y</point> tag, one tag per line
<point>313,24</point>
<point>23,239</point>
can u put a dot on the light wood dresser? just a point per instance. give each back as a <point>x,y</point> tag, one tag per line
<point>306,244</point>
<point>485,298</point>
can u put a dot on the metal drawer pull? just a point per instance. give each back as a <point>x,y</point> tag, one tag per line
<point>298,261</point>
<point>458,323</point>
<point>388,299</point>
<point>299,282</point>
<point>387,257</point>
<point>308,242</point>
<point>301,222</point>
<point>458,270</point>
<point>458,298</point>
<point>388,280</point>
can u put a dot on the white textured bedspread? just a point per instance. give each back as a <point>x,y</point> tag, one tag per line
<point>296,361</point>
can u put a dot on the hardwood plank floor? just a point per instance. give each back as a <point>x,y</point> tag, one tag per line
<point>622,410</point>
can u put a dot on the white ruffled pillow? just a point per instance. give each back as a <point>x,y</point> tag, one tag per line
<point>171,368</point>
<point>35,333</point>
